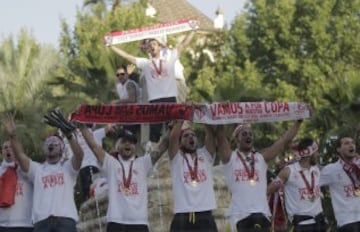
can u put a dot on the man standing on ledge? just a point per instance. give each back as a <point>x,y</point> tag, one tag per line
<point>159,74</point>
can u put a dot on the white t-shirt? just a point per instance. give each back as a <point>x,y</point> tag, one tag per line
<point>179,68</point>
<point>345,204</point>
<point>128,208</point>
<point>161,85</point>
<point>89,158</point>
<point>246,198</point>
<point>19,214</point>
<point>53,190</point>
<point>297,196</point>
<point>122,91</point>
<point>187,197</point>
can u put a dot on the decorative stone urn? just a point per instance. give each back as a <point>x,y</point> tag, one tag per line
<point>160,202</point>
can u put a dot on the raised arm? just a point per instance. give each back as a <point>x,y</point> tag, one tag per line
<point>210,141</point>
<point>161,147</point>
<point>95,148</point>
<point>185,42</point>
<point>78,156</point>
<point>224,148</point>
<point>124,54</point>
<point>279,181</point>
<point>271,152</point>
<point>21,157</point>
<point>174,138</point>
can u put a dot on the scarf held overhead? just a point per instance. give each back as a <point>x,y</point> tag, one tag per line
<point>132,113</point>
<point>215,113</point>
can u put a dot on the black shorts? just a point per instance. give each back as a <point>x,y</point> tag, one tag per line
<point>351,227</point>
<point>16,229</point>
<point>255,222</point>
<point>117,227</point>
<point>193,222</point>
<point>320,224</point>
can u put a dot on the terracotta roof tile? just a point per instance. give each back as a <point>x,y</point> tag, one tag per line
<point>172,10</point>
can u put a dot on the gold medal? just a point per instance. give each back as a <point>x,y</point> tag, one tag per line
<point>194,183</point>
<point>312,198</point>
<point>252,182</point>
<point>357,192</point>
<point>127,191</point>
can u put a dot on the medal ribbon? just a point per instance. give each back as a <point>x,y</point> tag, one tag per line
<point>309,187</point>
<point>349,170</point>
<point>249,171</point>
<point>158,70</point>
<point>126,180</point>
<point>193,171</point>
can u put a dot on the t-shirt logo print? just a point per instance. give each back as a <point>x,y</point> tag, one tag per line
<point>200,112</point>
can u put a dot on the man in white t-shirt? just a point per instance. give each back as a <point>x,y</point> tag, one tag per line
<point>300,181</point>
<point>54,180</point>
<point>126,176</point>
<point>192,180</point>
<point>245,174</point>
<point>129,92</point>
<point>17,217</point>
<point>343,179</point>
<point>159,75</point>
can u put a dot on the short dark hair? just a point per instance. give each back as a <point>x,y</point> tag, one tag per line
<point>127,135</point>
<point>341,136</point>
<point>305,142</point>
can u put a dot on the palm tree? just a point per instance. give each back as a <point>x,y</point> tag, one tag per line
<point>25,68</point>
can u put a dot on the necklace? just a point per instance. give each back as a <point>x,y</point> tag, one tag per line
<point>193,170</point>
<point>126,179</point>
<point>250,171</point>
<point>158,70</point>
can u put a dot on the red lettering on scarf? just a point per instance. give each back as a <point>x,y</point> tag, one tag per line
<point>276,107</point>
<point>253,108</point>
<point>220,109</point>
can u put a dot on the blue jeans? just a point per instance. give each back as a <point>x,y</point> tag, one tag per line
<point>56,224</point>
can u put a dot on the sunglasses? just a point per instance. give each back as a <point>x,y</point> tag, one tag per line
<point>120,74</point>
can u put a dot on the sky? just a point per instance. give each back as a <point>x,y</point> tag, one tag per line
<point>42,17</point>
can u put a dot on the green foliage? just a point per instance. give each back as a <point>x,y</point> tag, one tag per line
<point>278,50</point>
<point>25,68</point>
<point>90,75</point>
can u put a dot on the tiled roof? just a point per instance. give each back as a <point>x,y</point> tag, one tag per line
<point>173,10</point>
